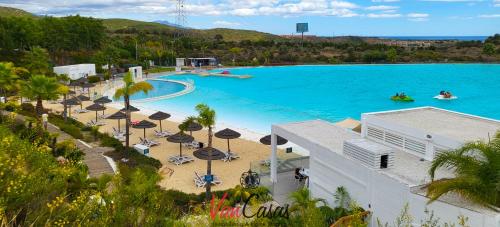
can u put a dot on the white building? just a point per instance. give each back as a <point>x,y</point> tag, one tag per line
<point>76,71</point>
<point>386,166</point>
<point>136,72</point>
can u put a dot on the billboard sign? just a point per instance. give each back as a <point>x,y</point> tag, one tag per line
<point>302,27</point>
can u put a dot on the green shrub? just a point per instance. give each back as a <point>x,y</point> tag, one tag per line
<point>28,107</point>
<point>68,150</point>
<point>93,79</point>
<point>108,141</point>
<point>330,216</point>
<point>72,130</point>
<point>10,106</point>
<point>160,70</point>
<point>134,158</point>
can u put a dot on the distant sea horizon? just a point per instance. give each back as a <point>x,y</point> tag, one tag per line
<point>460,38</point>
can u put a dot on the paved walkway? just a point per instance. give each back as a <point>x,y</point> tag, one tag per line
<point>94,158</point>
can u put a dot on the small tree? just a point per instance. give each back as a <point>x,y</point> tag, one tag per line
<point>129,88</point>
<point>41,88</point>
<point>235,51</point>
<point>477,169</point>
<point>37,61</point>
<point>8,78</point>
<point>206,118</point>
<point>489,49</point>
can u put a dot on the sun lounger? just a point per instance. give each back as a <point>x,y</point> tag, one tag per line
<point>116,132</point>
<point>216,180</point>
<point>192,145</point>
<point>179,160</point>
<point>95,123</point>
<point>79,111</point>
<point>148,143</point>
<point>121,138</point>
<point>103,116</point>
<point>151,142</point>
<point>162,133</point>
<point>198,181</point>
<point>230,156</point>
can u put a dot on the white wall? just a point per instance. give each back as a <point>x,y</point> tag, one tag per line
<point>75,72</point>
<point>371,190</point>
<point>449,214</point>
<point>136,72</point>
<point>383,195</point>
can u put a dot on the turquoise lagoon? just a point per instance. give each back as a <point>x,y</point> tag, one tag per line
<point>296,93</point>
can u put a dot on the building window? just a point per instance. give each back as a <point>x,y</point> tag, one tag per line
<point>384,161</point>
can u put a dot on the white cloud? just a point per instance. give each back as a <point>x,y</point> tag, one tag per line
<point>383,15</point>
<point>382,7</point>
<point>418,17</point>
<point>489,16</point>
<point>385,0</point>
<point>496,3</point>
<point>223,23</point>
<point>343,5</point>
<point>451,0</point>
<point>244,12</point>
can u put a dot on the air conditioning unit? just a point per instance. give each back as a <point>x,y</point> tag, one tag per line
<point>372,154</point>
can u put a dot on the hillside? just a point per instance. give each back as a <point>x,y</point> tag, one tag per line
<point>117,24</point>
<point>13,12</point>
<point>238,34</point>
<point>228,34</point>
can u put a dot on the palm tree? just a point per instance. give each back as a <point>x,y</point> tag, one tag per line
<point>342,197</point>
<point>129,88</point>
<point>240,193</point>
<point>302,200</point>
<point>203,48</point>
<point>41,88</point>
<point>8,78</point>
<point>235,51</point>
<point>477,173</point>
<point>64,79</point>
<point>206,118</point>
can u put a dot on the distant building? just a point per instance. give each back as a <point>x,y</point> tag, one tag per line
<point>196,62</point>
<point>136,72</point>
<point>75,72</point>
<point>385,166</point>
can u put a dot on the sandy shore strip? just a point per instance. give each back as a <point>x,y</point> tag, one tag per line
<point>182,177</point>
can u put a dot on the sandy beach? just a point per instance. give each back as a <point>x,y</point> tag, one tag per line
<point>181,177</point>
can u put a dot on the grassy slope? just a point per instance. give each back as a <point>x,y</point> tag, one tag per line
<point>115,24</point>
<point>238,34</point>
<point>228,34</point>
<point>13,12</point>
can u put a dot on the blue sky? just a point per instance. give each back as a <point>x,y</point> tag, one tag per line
<point>325,17</point>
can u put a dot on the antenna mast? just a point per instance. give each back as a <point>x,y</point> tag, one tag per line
<point>180,19</point>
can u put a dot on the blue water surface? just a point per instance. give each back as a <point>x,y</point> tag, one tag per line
<point>160,88</point>
<point>296,93</point>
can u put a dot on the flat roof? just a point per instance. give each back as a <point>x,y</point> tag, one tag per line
<point>371,146</point>
<point>407,168</point>
<point>458,126</point>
